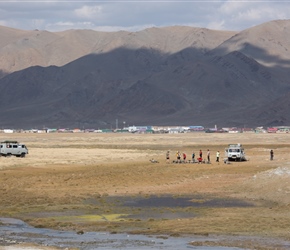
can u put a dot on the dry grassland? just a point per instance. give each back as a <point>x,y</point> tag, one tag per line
<point>81,181</point>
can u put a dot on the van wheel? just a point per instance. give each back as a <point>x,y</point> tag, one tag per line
<point>8,155</point>
<point>22,155</point>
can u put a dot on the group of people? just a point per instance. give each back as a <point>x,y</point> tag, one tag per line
<point>182,156</point>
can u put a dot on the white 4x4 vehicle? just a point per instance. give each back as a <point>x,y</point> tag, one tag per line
<point>9,148</point>
<point>235,152</point>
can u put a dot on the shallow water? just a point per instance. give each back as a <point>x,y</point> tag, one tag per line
<point>164,206</point>
<point>183,202</point>
<point>13,231</point>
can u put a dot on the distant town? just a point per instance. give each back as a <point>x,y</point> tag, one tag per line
<point>155,130</point>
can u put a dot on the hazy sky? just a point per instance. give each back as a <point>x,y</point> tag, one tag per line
<point>137,15</point>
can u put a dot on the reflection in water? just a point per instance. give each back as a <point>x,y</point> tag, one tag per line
<point>14,231</point>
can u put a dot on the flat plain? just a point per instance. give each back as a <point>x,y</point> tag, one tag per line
<point>106,182</point>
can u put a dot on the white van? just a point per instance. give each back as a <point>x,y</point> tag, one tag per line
<point>9,148</point>
<point>235,152</point>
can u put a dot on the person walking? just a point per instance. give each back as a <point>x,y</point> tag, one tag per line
<point>271,154</point>
<point>218,156</point>
<point>208,155</point>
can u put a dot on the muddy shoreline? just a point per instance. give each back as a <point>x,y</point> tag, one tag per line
<point>15,234</point>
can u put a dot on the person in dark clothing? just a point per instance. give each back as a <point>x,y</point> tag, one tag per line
<point>271,154</point>
<point>167,157</point>
<point>193,157</point>
<point>208,155</point>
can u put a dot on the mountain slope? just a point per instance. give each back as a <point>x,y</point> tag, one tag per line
<point>267,43</point>
<point>23,49</point>
<point>167,76</point>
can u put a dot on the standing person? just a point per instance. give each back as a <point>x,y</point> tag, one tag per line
<point>192,157</point>
<point>200,154</point>
<point>167,157</point>
<point>218,156</point>
<point>178,156</point>
<point>271,154</point>
<point>184,156</point>
<point>208,155</point>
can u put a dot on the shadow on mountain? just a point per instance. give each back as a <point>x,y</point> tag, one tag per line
<point>146,87</point>
<point>260,54</point>
<point>2,74</point>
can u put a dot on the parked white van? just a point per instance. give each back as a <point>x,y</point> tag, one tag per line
<point>9,148</point>
<point>235,152</point>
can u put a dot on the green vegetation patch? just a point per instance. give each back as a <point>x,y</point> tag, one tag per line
<point>91,218</point>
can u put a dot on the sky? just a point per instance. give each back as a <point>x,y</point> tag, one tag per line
<point>106,15</point>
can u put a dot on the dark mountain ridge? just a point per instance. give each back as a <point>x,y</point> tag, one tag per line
<point>227,85</point>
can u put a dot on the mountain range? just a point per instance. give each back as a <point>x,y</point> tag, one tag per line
<point>158,76</point>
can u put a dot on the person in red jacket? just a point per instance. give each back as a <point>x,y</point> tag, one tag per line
<point>184,156</point>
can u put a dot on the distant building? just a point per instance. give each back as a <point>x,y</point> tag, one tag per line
<point>8,131</point>
<point>53,130</point>
<point>284,129</point>
<point>260,130</point>
<point>272,130</point>
<point>247,130</point>
<point>196,128</point>
<point>235,130</point>
<point>139,129</point>
<point>77,130</point>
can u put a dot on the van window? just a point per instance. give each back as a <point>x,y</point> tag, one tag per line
<point>14,146</point>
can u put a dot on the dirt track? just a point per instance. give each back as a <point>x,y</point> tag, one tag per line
<point>66,176</point>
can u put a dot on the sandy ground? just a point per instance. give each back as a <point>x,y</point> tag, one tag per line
<point>63,170</point>
<point>25,247</point>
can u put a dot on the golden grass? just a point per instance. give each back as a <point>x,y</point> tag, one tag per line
<point>65,174</point>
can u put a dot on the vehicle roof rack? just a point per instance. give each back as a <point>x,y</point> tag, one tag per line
<point>13,142</point>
